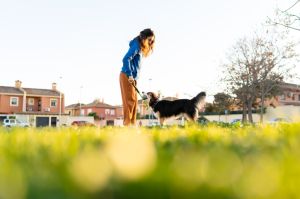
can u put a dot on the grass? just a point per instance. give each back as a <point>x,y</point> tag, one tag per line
<point>175,162</point>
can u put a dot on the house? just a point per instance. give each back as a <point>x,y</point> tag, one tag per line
<point>30,100</point>
<point>44,104</point>
<point>74,109</point>
<point>102,111</point>
<point>119,111</point>
<point>290,96</point>
<point>105,112</point>
<point>143,110</point>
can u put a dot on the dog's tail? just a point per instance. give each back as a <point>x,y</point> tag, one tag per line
<point>199,97</point>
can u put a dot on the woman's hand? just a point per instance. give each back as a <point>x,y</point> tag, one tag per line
<point>130,79</point>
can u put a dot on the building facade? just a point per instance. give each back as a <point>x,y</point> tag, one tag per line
<point>101,110</point>
<point>45,106</point>
<point>30,100</point>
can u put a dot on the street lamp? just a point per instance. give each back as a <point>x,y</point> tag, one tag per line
<point>60,96</point>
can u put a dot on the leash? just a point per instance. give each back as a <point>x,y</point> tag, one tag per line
<point>137,90</point>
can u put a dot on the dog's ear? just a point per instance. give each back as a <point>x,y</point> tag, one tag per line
<point>149,94</point>
<point>152,95</point>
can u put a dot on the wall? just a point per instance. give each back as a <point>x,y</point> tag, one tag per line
<point>229,118</point>
<point>290,112</point>
<point>5,104</point>
<point>46,104</point>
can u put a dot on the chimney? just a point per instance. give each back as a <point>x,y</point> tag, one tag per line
<point>18,84</point>
<point>54,86</point>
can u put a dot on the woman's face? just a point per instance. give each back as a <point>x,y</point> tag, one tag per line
<point>149,41</point>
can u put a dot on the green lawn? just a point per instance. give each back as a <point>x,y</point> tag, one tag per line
<point>175,162</point>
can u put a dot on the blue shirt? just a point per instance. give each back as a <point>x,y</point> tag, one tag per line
<point>132,60</point>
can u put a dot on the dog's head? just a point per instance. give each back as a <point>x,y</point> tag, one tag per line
<point>153,98</point>
<point>201,101</point>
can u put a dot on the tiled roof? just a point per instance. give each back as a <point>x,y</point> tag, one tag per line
<point>289,86</point>
<point>29,91</point>
<point>77,105</point>
<point>37,91</point>
<point>99,104</point>
<point>9,89</point>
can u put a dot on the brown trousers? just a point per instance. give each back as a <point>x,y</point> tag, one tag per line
<point>129,99</point>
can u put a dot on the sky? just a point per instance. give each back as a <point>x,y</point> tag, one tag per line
<point>80,44</point>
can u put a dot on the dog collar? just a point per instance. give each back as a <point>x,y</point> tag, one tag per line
<point>154,105</point>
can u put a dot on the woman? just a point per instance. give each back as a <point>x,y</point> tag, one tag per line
<point>140,46</point>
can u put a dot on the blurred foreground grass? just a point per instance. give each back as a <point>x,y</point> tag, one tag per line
<point>176,162</point>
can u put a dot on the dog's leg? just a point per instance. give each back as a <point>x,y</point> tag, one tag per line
<point>196,116</point>
<point>191,118</point>
<point>161,121</point>
<point>187,117</point>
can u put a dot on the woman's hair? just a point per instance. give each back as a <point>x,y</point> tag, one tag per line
<point>146,47</point>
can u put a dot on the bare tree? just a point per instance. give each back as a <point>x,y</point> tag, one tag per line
<point>274,65</point>
<point>255,67</point>
<point>240,76</point>
<point>287,17</point>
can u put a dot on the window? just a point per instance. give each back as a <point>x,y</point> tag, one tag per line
<point>53,102</point>
<point>14,101</point>
<point>112,112</point>
<point>30,101</point>
<point>298,97</point>
<point>109,112</point>
<point>282,97</point>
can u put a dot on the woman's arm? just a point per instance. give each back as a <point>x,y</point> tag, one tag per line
<point>133,50</point>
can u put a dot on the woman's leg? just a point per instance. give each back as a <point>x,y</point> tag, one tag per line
<point>134,111</point>
<point>128,99</point>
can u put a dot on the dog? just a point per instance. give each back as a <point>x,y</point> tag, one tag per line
<point>164,109</point>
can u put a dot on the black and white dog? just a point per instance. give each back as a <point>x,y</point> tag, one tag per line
<point>164,109</point>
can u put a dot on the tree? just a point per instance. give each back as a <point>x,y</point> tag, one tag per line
<point>287,17</point>
<point>269,88</point>
<point>209,108</point>
<point>256,66</point>
<point>222,102</point>
<point>94,114</point>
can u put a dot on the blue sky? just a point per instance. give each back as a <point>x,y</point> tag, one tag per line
<point>80,44</point>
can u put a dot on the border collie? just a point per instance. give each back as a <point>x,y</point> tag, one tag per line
<point>164,109</point>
